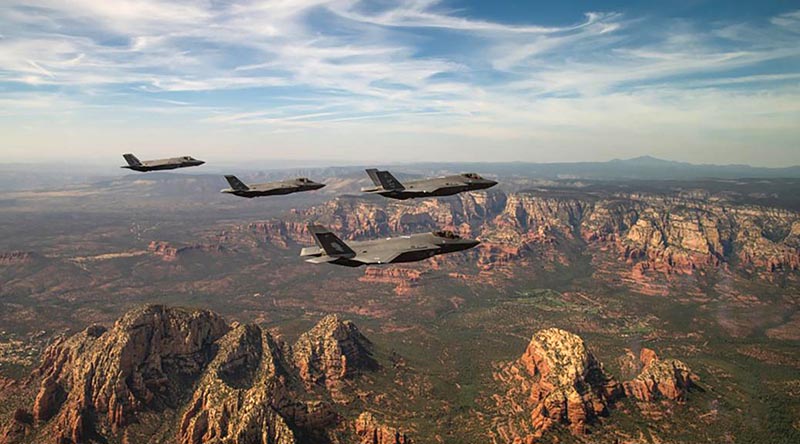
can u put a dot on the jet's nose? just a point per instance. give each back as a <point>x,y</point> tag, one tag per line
<point>490,183</point>
<point>319,185</point>
<point>466,244</point>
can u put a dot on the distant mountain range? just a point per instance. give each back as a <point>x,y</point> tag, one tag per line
<point>24,176</point>
<point>644,167</point>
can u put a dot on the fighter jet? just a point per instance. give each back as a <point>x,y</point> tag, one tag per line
<point>160,164</point>
<point>238,188</point>
<point>386,185</point>
<point>416,247</point>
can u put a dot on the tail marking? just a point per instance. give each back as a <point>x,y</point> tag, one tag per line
<point>385,179</point>
<point>132,160</point>
<point>236,184</point>
<point>330,243</point>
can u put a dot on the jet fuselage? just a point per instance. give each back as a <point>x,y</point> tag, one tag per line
<point>163,164</point>
<point>411,248</point>
<point>442,186</point>
<point>275,188</point>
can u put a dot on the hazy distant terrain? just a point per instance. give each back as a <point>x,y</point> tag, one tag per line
<point>34,176</point>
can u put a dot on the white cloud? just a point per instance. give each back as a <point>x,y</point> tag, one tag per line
<point>326,65</point>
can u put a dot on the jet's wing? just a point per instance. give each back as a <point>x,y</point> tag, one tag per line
<point>272,186</point>
<point>387,256</point>
<point>378,257</point>
<point>424,187</point>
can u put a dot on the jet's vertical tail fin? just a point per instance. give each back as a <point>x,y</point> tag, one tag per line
<point>329,242</point>
<point>388,182</point>
<point>236,184</point>
<point>132,160</point>
<point>373,174</point>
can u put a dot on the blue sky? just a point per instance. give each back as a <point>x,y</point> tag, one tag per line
<point>364,81</point>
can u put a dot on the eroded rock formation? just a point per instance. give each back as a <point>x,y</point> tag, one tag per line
<point>658,235</point>
<point>17,257</point>
<point>330,353</point>
<point>556,381</point>
<point>240,393</point>
<point>232,384</point>
<point>110,375</point>
<point>668,379</point>
<point>402,278</point>
<point>370,431</point>
<point>171,253</point>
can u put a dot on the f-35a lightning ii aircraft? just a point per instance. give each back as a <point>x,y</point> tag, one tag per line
<point>238,188</point>
<point>416,247</point>
<point>160,164</point>
<point>386,185</point>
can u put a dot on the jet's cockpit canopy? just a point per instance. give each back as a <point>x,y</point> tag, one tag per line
<point>303,180</point>
<point>188,158</point>
<point>446,234</point>
<point>472,176</point>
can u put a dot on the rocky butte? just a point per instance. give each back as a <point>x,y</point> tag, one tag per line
<point>668,379</point>
<point>162,374</point>
<point>557,382</point>
<point>332,353</point>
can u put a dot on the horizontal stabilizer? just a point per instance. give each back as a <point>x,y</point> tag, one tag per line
<point>322,259</point>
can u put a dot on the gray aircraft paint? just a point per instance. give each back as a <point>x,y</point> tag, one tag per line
<point>411,248</point>
<point>388,186</point>
<point>239,188</point>
<point>159,164</point>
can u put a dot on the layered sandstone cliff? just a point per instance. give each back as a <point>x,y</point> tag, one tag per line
<point>657,234</point>
<point>402,278</point>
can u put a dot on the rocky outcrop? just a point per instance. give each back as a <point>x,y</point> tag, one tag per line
<point>20,426</point>
<point>679,241</point>
<point>370,431</point>
<point>330,353</point>
<point>402,278</point>
<point>668,379</point>
<point>6,383</point>
<point>17,257</point>
<point>240,394</point>
<point>108,376</point>
<point>233,384</point>
<point>556,381</point>
<point>170,253</point>
<point>657,234</point>
<point>277,232</point>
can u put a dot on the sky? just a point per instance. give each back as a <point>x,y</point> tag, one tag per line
<point>400,81</point>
